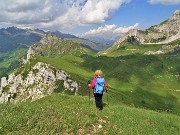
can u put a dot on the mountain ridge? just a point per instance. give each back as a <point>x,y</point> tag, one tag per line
<point>165,33</point>
<point>27,37</point>
<point>14,40</point>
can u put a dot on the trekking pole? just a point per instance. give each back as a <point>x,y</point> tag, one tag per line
<point>107,98</point>
<point>89,91</point>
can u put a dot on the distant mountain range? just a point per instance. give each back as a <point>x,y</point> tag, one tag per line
<point>101,40</point>
<point>12,38</point>
<point>14,44</point>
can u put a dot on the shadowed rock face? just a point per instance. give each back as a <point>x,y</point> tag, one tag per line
<point>40,81</point>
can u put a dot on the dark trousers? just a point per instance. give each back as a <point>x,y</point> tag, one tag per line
<point>98,100</point>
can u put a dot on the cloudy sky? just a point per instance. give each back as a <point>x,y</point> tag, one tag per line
<point>86,17</point>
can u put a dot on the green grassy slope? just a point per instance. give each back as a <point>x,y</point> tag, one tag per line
<point>51,45</point>
<point>130,47</point>
<point>127,48</point>
<point>84,42</point>
<point>10,60</point>
<point>54,47</point>
<point>63,114</point>
<point>143,95</point>
<point>150,82</point>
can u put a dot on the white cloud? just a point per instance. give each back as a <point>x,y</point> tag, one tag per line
<point>29,12</point>
<point>109,31</point>
<point>122,30</point>
<point>56,14</point>
<point>100,30</point>
<point>165,2</point>
<point>99,10</point>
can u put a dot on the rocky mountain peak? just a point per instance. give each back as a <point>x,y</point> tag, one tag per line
<point>49,39</point>
<point>171,26</point>
<point>176,15</point>
<point>165,32</point>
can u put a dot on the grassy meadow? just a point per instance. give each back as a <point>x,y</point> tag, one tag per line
<point>143,96</point>
<point>65,114</point>
<point>145,81</point>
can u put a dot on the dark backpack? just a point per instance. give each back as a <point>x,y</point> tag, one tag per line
<point>99,86</point>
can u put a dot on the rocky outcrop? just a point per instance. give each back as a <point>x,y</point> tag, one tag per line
<point>165,32</point>
<point>29,55</point>
<point>165,49</point>
<point>41,80</point>
<point>171,26</point>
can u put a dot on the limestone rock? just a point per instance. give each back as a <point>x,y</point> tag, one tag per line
<point>163,33</point>
<point>40,81</point>
<point>164,50</point>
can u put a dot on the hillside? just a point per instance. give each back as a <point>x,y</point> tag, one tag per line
<point>11,60</point>
<point>13,38</point>
<point>14,43</point>
<point>63,114</point>
<point>126,79</point>
<point>51,45</point>
<point>164,34</point>
<point>34,79</point>
<point>17,41</point>
<point>128,48</point>
<point>127,75</point>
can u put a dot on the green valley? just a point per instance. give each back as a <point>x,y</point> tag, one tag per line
<point>144,81</point>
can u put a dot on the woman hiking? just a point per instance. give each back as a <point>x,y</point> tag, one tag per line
<point>98,85</point>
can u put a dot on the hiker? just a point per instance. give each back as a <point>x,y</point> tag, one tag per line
<point>98,85</point>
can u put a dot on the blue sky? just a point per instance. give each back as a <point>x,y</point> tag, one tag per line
<point>142,12</point>
<point>86,17</point>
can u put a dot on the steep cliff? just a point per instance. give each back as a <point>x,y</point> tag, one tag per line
<point>40,81</point>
